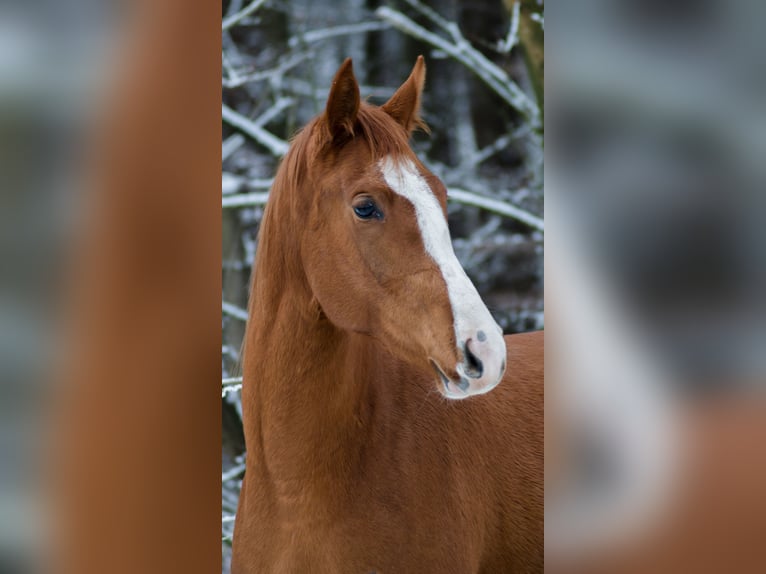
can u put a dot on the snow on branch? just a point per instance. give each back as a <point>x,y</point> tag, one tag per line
<point>233,472</point>
<point>343,30</point>
<point>245,199</point>
<point>461,50</point>
<point>279,70</point>
<point>513,31</point>
<point>231,385</point>
<point>495,206</point>
<point>235,19</point>
<point>233,311</point>
<point>275,145</point>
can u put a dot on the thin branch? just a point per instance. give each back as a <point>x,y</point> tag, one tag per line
<point>474,60</point>
<point>332,32</point>
<point>233,311</point>
<point>513,31</point>
<point>231,385</point>
<point>450,27</point>
<point>233,472</point>
<point>276,146</point>
<point>231,183</point>
<point>499,144</point>
<point>242,14</point>
<point>279,70</point>
<point>496,206</point>
<point>230,145</point>
<point>245,199</point>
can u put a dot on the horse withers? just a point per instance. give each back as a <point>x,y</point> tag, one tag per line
<point>364,332</point>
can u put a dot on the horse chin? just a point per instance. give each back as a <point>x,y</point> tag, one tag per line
<point>454,387</point>
<point>459,386</point>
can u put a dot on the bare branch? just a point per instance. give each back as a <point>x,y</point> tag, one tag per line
<point>242,14</point>
<point>276,146</point>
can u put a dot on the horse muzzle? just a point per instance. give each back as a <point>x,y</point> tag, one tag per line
<point>481,368</point>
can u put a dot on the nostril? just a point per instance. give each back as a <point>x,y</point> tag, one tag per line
<point>474,366</point>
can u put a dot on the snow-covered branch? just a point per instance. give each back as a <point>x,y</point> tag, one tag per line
<point>496,206</point>
<point>231,385</point>
<point>233,311</point>
<point>462,51</point>
<point>245,199</point>
<point>513,31</point>
<point>345,30</point>
<point>235,19</point>
<point>275,72</point>
<point>276,146</point>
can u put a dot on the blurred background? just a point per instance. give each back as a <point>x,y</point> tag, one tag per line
<point>482,101</point>
<point>655,273</point>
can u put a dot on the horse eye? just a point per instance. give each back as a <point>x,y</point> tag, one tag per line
<point>367,210</point>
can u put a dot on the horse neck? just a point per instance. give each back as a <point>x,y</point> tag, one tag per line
<point>309,393</point>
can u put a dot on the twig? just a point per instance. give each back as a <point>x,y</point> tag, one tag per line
<point>513,31</point>
<point>500,143</point>
<point>286,65</point>
<point>496,206</point>
<point>450,27</point>
<point>276,146</point>
<point>242,14</point>
<point>234,311</point>
<point>231,183</point>
<point>233,472</point>
<point>231,385</point>
<point>344,30</point>
<point>474,60</point>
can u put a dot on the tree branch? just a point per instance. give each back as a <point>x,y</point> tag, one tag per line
<point>233,311</point>
<point>474,60</point>
<point>245,199</point>
<point>235,19</point>
<point>495,206</point>
<point>275,145</point>
<point>231,385</point>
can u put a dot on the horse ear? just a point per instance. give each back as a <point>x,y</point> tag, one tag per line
<point>343,102</point>
<point>404,105</point>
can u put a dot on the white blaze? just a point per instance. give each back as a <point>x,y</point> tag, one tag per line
<point>469,312</point>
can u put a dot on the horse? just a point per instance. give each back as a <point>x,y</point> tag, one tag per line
<point>373,441</point>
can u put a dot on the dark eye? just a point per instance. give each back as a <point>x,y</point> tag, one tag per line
<point>367,210</point>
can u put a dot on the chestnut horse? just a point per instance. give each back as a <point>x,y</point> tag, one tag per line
<point>364,331</point>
